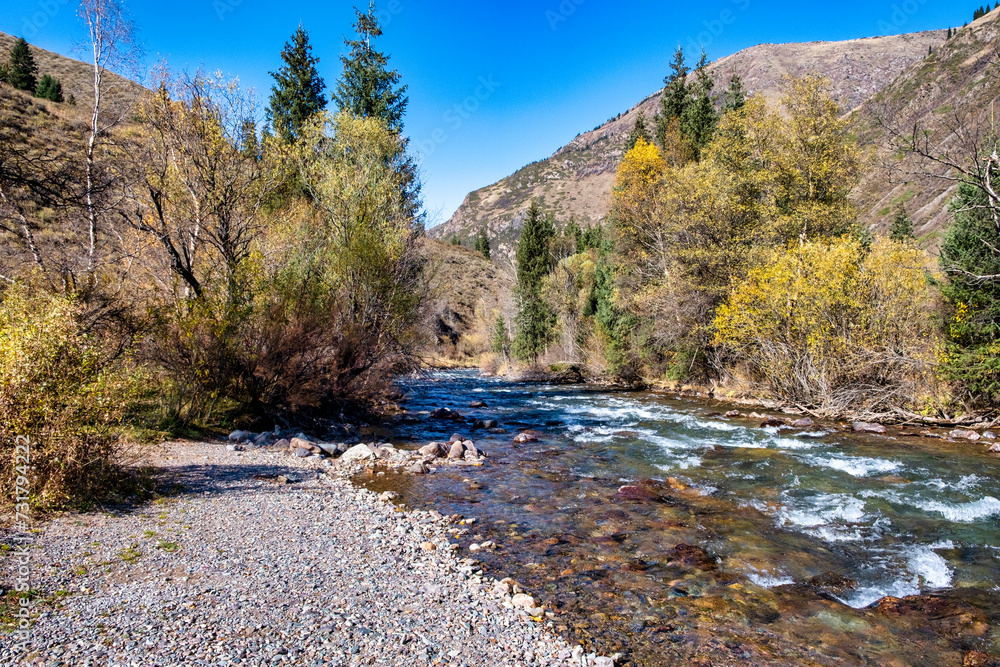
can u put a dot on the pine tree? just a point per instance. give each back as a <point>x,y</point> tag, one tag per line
<point>22,72</point>
<point>368,88</point>
<point>676,96</point>
<point>49,88</point>
<point>534,261</point>
<point>482,244</point>
<point>298,91</point>
<point>500,342</point>
<point>639,131</point>
<point>699,118</point>
<point>735,97</point>
<point>454,240</point>
<point>901,229</point>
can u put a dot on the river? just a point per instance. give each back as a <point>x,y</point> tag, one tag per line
<point>732,543</point>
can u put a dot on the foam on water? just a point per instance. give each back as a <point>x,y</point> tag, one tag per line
<point>858,466</point>
<point>863,597</point>
<point>824,510</point>
<point>793,443</point>
<point>931,568</point>
<point>964,512</point>
<point>765,579</point>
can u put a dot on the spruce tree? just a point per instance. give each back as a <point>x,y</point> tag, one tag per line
<point>454,240</point>
<point>367,87</point>
<point>699,118</point>
<point>535,318</point>
<point>901,229</point>
<point>735,97</point>
<point>49,88</point>
<point>482,244</point>
<point>500,342</point>
<point>676,96</point>
<point>297,94</point>
<point>22,73</point>
<point>639,131</point>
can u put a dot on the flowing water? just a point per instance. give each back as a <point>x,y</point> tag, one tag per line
<point>736,544</point>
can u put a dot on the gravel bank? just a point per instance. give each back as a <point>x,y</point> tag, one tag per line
<point>239,568</point>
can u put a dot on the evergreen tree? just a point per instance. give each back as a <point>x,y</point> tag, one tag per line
<point>482,244</point>
<point>699,118</point>
<point>969,254</point>
<point>639,131</point>
<point>535,318</point>
<point>297,94</point>
<point>500,342</point>
<point>676,96</point>
<point>454,240</point>
<point>368,88</point>
<point>49,88</point>
<point>22,73</point>
<point>735,97</point>
<point>901,229</point>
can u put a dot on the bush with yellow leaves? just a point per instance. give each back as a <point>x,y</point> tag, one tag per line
<point>830,325</point>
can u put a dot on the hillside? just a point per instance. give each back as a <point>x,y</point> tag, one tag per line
<point>955,87</point>
<point>77,77</point>
<point>577,179</point>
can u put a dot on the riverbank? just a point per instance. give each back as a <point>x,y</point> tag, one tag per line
<point>259,558</point>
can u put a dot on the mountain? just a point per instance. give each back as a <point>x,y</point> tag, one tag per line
<point>955,87</point>
<point>77,77</point>
<point>576,180</point>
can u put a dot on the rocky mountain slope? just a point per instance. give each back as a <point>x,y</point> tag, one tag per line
<point>957,87</point>
<point>576,181</point>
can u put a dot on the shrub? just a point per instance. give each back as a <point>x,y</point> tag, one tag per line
<point>828,325</point>
<point>60,388</point>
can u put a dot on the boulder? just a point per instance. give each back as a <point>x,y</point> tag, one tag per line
<point>237,436</point>
<point>989,435</point>
<point>470,449</point>
<point>385,451</point>
<point>457,451</point>
<point>358,453</point>
<point>456,437</point>
<point>773,422</point>
<point>418,468</point>
<point>733,414</point>
<point>299,443</point>
<point>803,423</point>
<point>331,449</point>
<point>525,437</point>
<point>264,439</point>
<point>446,414</point>
<point>995,449</point>
<point>302,452</point>
<point>477,405</point>
<point>433,450</point>
<point>865,427</point>
<point>965,435</point>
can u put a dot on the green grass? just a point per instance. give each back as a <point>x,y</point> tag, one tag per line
<point>169,547</point>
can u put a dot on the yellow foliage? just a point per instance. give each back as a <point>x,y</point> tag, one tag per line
<point>828,324</point>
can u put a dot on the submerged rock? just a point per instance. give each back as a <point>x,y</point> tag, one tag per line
<point>865,427</point>
<point>773,422</point>
<point>803,423</point>
<point>965,435</point>
<point>733,414</point>
<point>477,404</point>
<point>446,414</point>
<point>525,437</point>
<point>637,494</point>
<point>691,556</point>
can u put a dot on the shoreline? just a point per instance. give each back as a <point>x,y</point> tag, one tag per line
<point>262,558</point>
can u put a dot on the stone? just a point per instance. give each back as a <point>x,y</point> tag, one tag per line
<point>501,588</point>
<point>358,453</point>
<point>691,556</point>
<point>433,450</point>
<point>457,451</point>
<point>965,435</point>
<point>471,453</point>
<point>330,449</point>
<point>773,422</point>
<point>865,427</point>
<point>388,496</point>
<point>456,437</point>
<point>474,547</point>
<point>418,468</point>
<point>733,414</point>
<point>477,404</point>
<point>264,439</point>
<point>299,443</point>
<point>603,661</point>
<point>489,423</point>
<point>803,423</point>
<point>636,493</point>
<point>287,479</point>
<point>302,453</point>
<point>995,449</point>
<point>236,436</point>
<point>428,546</point>
<point>524,601</point>
<point>525,437</point>
<point>385,452</point>
<point>446,414</point>
<point>989,435</point>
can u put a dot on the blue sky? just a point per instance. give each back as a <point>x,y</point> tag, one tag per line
<point>493,86</point>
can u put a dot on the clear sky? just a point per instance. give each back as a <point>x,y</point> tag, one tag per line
<point>492,86</point>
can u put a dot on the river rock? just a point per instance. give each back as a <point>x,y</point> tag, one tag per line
<point>237,436</point>
<point>636,493</point>
<point>965,435</point>
<point>302,453</point>
<point>477,404</point>
<point>803,423</point>
<point>524,601</point>
<point>388,496</point>
<point>995,449</point>
<point>457,451</point>
<point>385,451</point>
<point>733,414</point>
<point>865,427</point>
<point>358,453</point>
<point>470,450</point>
<point>989,435</point>
<point>299,443</point>
<point>280,446</point>
<point>418,468</point>
<point>434,450</point>
<point>428,546</point>
<point>446,414</point>
<point>525,437</point>
<point>604,661</point>
<point>456,437</point>
<point>331,449</point>
<point>773,422</point>
<point>264,440</point>
<point>691,556</point>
